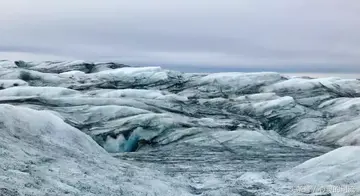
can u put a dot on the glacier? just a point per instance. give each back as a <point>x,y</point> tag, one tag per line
<point>105,128</point>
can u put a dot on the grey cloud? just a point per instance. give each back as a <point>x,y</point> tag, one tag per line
<point>279,34</point>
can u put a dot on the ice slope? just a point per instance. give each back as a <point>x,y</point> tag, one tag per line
<point>12,83</point>
<point>42,155</point>
<point>37,91</point>
<point>66,66</point>
<point>336,172</point>
<point>213,134</point>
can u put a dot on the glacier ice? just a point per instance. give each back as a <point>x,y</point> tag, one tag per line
<point>12,83</point>
<point>338,168</point>
<point>37,91</point>
<point>42,155</point>
<point>104,128</point>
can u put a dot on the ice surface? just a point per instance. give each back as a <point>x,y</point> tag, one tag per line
<point>142,94</point>
<point>42,155</point>
<point>37,91</point>
<point>104,128</point>
<point>337,168</point>
<point>12,83</point>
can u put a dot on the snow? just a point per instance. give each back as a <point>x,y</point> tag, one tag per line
<point>142,93</point>
<point>37,91</point>
<point>341,105</point>
<point>334,173</point>
<point>4,64</point>
<point>12,83</point>
<point>51,129</point>
<point>306,125</point>
<point>152,74</point>
<point>336,167</point>
<point>345,133</point>
<point>257,97</point>
<point>297,84</point>
<point>42,155</point>
<point>108,112</point>
<point>104,128</point>
<point>73,74</point>
<point>95,101</point>
<point>277,103</point>
<point>240,79</point>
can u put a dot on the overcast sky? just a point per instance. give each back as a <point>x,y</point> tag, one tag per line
<point>301,35</point>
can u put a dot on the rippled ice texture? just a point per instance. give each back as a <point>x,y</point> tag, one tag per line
<point>84,128</point>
